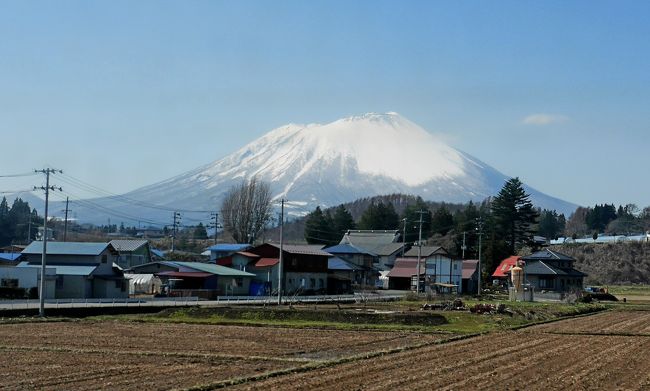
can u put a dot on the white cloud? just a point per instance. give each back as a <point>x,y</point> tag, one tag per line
<point>544,119</point>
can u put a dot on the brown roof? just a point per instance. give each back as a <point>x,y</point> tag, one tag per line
<point>469,267</point>
<point>265,262</point>
<point>405,268</point>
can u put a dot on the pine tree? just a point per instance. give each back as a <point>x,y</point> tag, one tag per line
<point>318,228</point>
<point>442,221</point>
<point>514,215</point>
<point>412,216</point>
<point>342,221</point>
<point>379,217</point>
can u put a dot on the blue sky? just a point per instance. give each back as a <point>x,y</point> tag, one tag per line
<point>122,94</point>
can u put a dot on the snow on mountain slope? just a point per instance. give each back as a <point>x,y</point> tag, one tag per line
<point>329,164</point>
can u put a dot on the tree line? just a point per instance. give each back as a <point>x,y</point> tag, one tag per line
<point>18,223</point>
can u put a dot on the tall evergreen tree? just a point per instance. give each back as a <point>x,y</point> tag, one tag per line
<point>379,216</point>
<point>318,228</point>
<point>342,221</point>
<point>412,216</point>
<point>514,215</point>
<point>442,221</point>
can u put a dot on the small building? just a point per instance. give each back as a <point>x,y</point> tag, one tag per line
<point>403,275</point>
<point>28,279</point>
<point>382,243</point>
<point>304,270</point>
<point>132,252</point>
<point>443,273</point>
<point>205,280</point>
<point>470,276</point>
<point>501,275</point>
<point>10,259</point>
<point>83,270</point>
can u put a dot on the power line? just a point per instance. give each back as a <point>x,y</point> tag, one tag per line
<point>18,175</point>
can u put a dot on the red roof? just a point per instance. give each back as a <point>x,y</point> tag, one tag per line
<point>505,266</point>
<point>185,274</point>
<point>264,262</point>
<point>247,254</point>
<point>406,268</point>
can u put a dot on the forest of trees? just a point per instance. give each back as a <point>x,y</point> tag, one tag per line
<point>15,226</point>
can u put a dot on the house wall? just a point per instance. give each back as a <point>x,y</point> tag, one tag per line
<point>104,260</point>
<point>233,286</point>
<point>73,287</point>
<point>130,259</point>
<point>306,281</point>
<point>105,289</point>
<point>440,268</point>
<point>262,274</point>
<point>29,277</point>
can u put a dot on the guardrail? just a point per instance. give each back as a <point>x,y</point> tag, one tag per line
<point>191,301</point>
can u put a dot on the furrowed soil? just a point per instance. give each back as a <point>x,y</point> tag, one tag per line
<point>597,352</point>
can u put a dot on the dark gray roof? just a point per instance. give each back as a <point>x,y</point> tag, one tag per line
<point>541,268</point>
<point>427,251</point>
<point>547,254</point>
<point>388,249</point>
<point>305,249</point>
<point>347,248</point>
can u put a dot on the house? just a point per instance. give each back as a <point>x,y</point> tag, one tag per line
<point>304,269</point>
<point>382,243</point>
<point>14,248</point>
<point>443,273</point>
<point>363,273</point>
<point>501,275</point>
<point>470,276</point>
<point>83,270</point>
<point>28,279</point>
<point>552,271</point>
<point>403,274</point>
<point>223,250</point>
<point>205,280</point>
<point>132,252</point>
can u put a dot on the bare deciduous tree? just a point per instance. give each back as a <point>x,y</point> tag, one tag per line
<point>246,209</point>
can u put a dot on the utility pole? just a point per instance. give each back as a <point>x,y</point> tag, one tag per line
<point>215,224</point>
<point>281,248</point>
<point>65,224</point>
<point>404,240</point>
<point>479,229</point>
<point>463,247</point>
<point>417,283</point>
<point>47,188</point>
<point>177,223</point>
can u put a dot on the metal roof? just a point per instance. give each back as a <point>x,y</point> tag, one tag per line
<point>388,249</point>
<point>347,248</point>
<point>128,244</point>
<point>547,254</point>
<point>265,262</point>
<point>305,249</point>
<point>209,268</point>
<point>405,268</point>
<point>229,247</point>
<point>426,251</point>
<point>505,266</point>
<point>66,270</point>
<point>185,274</point>
<point>337,263</point>
<point>10,257</point>
<point>469,268</point>
<point>370,238</point>
<point>67,248</point>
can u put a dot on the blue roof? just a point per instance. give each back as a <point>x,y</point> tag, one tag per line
<point>67,248</point>
<point>68,270</point>
<point>158,253</point>
<point>347,248</point>
<point>336,263</point>
<point>9,256</point>
<point>229,247</point>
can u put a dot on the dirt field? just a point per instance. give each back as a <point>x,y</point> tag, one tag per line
<point>89,355</point>
<point>612,322</point>
<point>574,354</point>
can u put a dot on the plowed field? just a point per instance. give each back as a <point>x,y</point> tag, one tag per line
<point>613,322</point>
<point>575,354</point>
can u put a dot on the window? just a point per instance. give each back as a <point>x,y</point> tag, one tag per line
<point>59,281</point>
<point>239,281</point>
<point>455,266</point>
<point>312,282</point>
<point>104,258</point>
<point>9,283</point>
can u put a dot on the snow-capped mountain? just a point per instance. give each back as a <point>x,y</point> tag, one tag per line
<point>329,164</point>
